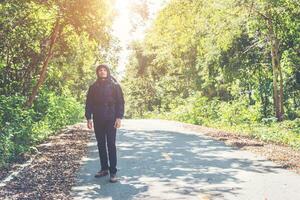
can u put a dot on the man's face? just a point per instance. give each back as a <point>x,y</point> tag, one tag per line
<point>102,72</point>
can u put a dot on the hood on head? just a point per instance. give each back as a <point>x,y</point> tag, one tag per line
<point>104,66</point>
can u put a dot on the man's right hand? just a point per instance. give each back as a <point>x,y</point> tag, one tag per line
<point>89,124</point>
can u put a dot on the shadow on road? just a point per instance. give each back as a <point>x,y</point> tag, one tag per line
<point>164,164</point>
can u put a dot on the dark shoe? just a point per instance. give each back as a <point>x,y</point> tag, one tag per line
<point>101,173</point>
<point>113,178</point>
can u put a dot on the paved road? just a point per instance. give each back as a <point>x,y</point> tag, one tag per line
<point>160,160</point>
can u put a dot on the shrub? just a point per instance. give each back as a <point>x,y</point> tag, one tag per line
<point>20,128</point>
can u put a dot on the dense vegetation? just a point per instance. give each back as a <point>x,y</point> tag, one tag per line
<point>48,51</point>
<point>232,64</point>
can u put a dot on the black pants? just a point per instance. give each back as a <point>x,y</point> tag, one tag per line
<point>106,140</point>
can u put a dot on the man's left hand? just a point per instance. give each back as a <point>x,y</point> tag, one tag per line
<point>117,123</point>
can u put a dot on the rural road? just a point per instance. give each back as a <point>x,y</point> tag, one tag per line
<point>159,159</point>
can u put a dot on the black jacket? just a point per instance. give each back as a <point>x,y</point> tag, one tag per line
<point>104,100</point>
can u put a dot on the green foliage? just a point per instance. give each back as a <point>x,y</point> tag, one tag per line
<point>234,116</point>
<point>83,40</point>
<point>239,111</point>
<point>196,110</point>
<point>15,127</point>
<point>25,36</point>
<point>20,128</point>
<point>211,64</point>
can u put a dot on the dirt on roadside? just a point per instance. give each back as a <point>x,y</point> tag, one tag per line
<point>285,156</point>
<point>51,174</point>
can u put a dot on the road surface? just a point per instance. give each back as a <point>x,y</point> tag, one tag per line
<point>159,159</point>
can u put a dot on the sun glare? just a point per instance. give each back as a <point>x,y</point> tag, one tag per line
<point>123,25</point>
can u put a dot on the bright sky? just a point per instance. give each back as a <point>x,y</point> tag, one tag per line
<point>123,25</point>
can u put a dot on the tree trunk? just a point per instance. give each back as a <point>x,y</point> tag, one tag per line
<point>42,74</point>
<point>277,94</point>
<point>281,91</point>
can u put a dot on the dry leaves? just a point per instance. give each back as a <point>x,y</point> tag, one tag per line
<point>52,172</point>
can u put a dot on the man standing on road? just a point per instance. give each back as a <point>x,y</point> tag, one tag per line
<point>105,103</point>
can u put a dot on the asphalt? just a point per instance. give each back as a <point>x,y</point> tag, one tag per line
<point>159,159</point>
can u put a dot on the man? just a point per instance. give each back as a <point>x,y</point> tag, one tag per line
<point>105,103</point>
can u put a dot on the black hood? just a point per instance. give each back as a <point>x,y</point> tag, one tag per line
<point>107,69</point>
<point>109,76</point>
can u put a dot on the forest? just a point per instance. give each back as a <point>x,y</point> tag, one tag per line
<point>230,64</point>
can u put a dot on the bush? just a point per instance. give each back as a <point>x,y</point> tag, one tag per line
<point>239,111</point>
<point>57,111</point>
<point>15,127</point>
<point>237,116</point>
<point>196,109</point>
<point>20,128</point>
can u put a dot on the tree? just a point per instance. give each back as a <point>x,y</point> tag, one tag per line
<point>82,16</point>
<point>273,19</point>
